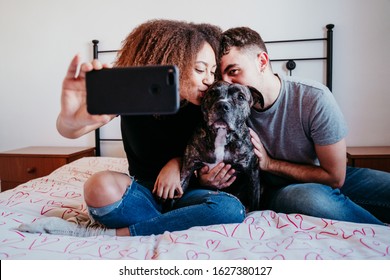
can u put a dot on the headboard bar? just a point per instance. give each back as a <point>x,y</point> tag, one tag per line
<point>98,139</point>
<point>295,40</point>
<point>290,66</point>
<point>329,55</point>
<point>97,131</point>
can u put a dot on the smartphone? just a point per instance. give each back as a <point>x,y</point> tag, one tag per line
<point>141,90</point>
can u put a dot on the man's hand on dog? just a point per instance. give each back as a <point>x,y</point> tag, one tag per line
<point>220,177</point>
<point>261,153</point>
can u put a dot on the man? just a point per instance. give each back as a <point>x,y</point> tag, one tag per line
<point>299,138</point>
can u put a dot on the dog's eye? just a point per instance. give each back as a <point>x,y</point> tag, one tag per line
<point>241,97</point>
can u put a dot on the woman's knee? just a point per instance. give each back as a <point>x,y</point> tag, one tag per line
<point>228,207</point>
<point>105,187</point>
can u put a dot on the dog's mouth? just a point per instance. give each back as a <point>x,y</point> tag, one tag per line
<point>221,124</point>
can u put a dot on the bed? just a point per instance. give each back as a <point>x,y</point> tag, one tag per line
<point>264,235</point>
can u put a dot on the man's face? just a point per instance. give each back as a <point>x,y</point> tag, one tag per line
<point>241,66</point>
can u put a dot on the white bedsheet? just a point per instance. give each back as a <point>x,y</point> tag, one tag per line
<point>263,235</point>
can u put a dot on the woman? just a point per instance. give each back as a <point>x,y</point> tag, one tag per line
<point>153,144</point>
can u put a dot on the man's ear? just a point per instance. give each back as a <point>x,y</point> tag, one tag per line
<point>257,96</point>
<point>263,60</point>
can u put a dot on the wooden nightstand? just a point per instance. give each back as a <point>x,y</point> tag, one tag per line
<point>21,165</point>
<point>370,157</point>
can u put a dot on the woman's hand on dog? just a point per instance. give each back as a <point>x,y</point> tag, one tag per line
<point>168,185</point>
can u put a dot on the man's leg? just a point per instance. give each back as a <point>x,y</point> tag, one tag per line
<point>370,189</point>
<point>319,201</point>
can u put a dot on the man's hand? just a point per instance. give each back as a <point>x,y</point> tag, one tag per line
<point>260,152</point>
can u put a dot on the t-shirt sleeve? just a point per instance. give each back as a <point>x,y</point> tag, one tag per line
<point>327,124</point>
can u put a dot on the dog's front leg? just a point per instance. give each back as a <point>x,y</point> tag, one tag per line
<point>185,177</point>
<point>256,189</point>
<point>190,163</point>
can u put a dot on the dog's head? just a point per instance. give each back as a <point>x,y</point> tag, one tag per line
<point>228,105</point>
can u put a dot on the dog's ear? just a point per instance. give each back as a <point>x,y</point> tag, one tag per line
<point>257,96</point>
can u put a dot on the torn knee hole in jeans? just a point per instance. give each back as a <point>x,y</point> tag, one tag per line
<point>213,192</point>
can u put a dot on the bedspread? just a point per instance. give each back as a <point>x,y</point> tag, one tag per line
<point>263,235</point>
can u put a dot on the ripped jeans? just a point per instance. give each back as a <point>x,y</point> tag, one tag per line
<point>143,215</point>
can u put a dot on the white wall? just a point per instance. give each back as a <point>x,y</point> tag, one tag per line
<point>38,39</point>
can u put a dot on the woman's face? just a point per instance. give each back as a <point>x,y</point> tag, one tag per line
<point>201,77</point>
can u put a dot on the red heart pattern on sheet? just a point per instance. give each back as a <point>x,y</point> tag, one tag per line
<point>343,252</point>
<point>213,244</point>
<point>155,254</point>
<point>128,253</point>
<point>194,255</point>
<point>264,235</point>
<point>378,247</point>
<point>43,242</point>
<point>299,222</point>
<point>219,229</point>
<point>105,250</point>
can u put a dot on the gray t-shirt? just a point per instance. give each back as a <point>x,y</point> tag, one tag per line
<point>305,113</point>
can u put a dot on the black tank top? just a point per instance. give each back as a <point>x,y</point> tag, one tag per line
<point>150,142</point>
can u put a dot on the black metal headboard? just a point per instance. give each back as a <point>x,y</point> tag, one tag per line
<point>290,65</point>
<point>290,62</point>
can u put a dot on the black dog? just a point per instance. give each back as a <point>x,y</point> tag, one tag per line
<point>224,136</point>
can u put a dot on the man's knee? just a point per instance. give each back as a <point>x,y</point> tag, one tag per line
<point>302,192</point>
<point>306,199</point>
<point>299,194</point>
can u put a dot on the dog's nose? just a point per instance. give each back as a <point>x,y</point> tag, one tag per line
<point>222,106</point>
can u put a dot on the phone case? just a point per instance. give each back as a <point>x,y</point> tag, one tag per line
<point>141,90</point>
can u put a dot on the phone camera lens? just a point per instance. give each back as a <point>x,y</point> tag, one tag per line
<point>154,89</point>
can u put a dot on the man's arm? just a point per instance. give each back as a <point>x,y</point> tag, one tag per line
<point>331,171</point>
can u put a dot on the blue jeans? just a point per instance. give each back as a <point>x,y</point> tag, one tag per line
<point>364,198</point>
<point>143,215</point>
